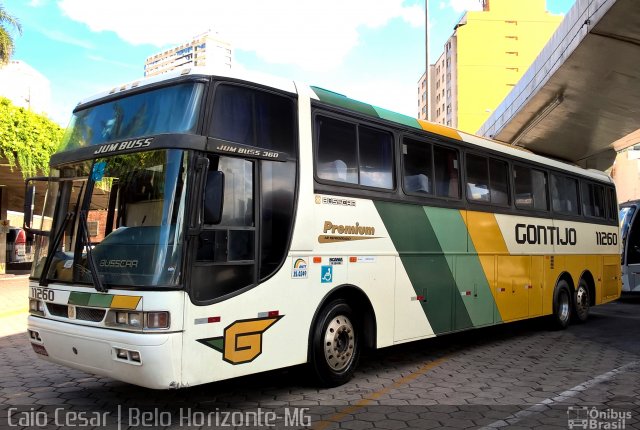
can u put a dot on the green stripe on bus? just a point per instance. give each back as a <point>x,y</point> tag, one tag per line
<point>489,305</point>
<point>100,300</point>
<point>427,267</point>
<point>79,299</point>
<point>471,280</point>
<point>397,117</point>
<point>343,101</point>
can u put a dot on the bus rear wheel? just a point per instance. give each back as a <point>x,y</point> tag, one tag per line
<point>335,347</point>
<point>561,306</point>
<point>581,302</point>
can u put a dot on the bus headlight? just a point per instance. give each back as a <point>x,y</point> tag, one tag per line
<point>138,320</point>
<point>135,319</point>
<point>122,317</point>
<point>129,319</point>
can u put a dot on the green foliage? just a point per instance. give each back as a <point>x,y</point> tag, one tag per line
<point>6,40</point>
<point>27,139</point>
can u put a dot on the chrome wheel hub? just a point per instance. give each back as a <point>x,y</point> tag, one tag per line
<point>582,301</point>
<point>339,343</point>
<point>563,306</point>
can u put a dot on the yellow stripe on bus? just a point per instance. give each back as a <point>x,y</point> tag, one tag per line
<point>439,129</point>
<point>125,302</point>
<point>489,243</point>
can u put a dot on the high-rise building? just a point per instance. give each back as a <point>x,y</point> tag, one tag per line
<point>484,58</point>
<point>422,97</point>
<point>204,49</point>
<point>25,87</point>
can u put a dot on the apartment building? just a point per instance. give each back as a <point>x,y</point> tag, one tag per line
<point>486,55</point>
<point>204,49</point>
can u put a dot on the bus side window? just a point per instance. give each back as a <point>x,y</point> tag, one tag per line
<point>530,188</point>
<point>593,204</point>
<point>487,180</point>
<point>355,154</point>
<point>418,166</point>
<point>498,181</point>
<point>376,157</point>
<point>612,204</point>
<point>447,172</point>
<point>337,150</point>
<point>564,195</point>
<point>477,179</point>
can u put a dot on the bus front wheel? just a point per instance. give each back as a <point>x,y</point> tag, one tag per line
<point>335,344</point>
<point>561,305</point>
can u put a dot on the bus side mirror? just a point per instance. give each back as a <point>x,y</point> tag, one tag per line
<point>213,197</point>
<point>29,198</point>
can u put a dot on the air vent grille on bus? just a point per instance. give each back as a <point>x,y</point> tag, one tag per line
<point>82,313</point>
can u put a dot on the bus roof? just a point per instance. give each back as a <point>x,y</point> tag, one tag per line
<point>256,77</point>
<point>340,100</point>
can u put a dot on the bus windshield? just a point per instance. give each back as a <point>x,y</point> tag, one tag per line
<point>131,208</point>
<point>136,115</point>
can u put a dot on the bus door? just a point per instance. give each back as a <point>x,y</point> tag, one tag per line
<point>223,262</point>
<point>225,255</point>
<point>631,248</point>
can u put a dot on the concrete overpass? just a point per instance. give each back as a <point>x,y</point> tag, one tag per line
<point>580,99</point>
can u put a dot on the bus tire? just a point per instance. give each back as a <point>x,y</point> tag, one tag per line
<point>581,302</point>
<point>561,306</point>
<point>335,345</point>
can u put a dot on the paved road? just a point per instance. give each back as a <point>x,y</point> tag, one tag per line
<point>513,376</point>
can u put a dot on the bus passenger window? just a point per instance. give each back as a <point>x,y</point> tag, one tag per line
<point>487,180</point>
<point>418,167</point>
<point>593,204</point>
<point>612,204</point>
<point>447,173</point>
<point>347,152</point>
<point>337,150</point>
<point>477,179</point>
<point>498,180</point>
<point>376,158</point>
<point>530,188</point>
<point>564,195</point>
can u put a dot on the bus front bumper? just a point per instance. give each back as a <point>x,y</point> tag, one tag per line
<point>151,360</point>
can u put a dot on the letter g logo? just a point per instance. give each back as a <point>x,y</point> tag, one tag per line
<point>242,340</point>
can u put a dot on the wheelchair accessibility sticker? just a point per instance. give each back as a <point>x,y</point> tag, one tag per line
<point>326,274</point>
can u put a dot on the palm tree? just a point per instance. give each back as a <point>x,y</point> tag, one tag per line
<point>6,41</point>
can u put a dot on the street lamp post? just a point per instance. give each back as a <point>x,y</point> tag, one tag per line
<point>426,50</point>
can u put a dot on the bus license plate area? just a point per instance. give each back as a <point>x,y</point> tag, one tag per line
<point>88,353</point>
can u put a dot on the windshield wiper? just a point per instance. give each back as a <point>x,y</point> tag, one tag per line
<point>84,237</point>
<point>44,281</point>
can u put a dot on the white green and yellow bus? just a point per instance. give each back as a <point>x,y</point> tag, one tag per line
<point>197,227</point>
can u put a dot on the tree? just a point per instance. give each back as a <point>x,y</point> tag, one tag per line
<point>27,139</point>
<point>6,40</point>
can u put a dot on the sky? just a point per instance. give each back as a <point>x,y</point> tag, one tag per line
<point>372,51</point>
